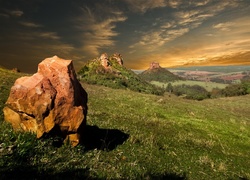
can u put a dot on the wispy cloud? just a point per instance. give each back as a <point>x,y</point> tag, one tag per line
<point>30,24</point>
<point>16,13</point>
<point>239,58</point>
<point>220,47</point>
<point>142,6</point>
<point>35,35</point>
<point>223,26</point>
<point>7,13</point>
<point>174,3</point>
<point>190,3</point>
<point>153,40</point>
<point>199,2</point>
<point>190,18</point>
<point>4,15</point>
<point>196,16</point>
<point>167,25</point>
<point>181,22</point>
<point>98,33</point>
<point>49,35</point>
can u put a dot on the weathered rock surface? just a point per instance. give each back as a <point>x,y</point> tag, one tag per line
<point>105,60</point>
<point>51,99</point>
<point>154,65</point>
<point>118,58</point>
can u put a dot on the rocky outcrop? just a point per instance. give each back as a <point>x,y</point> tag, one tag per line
<point>156,73</point>
<point>51,99</point>
<point>118,58</point>
<point>105,60</point>
<point>154,65</point>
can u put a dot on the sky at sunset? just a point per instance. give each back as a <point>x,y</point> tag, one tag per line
<point>171,32</point>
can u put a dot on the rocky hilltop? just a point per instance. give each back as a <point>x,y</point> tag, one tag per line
<point>111,72</point>
<point>156,73</point>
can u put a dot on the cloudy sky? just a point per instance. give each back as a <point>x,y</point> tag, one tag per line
<point>171,32</point>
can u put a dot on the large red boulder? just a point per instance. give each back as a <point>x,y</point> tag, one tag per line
<point>50,99</point>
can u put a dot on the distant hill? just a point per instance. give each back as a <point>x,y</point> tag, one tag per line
<point>110,72</point>
<point>156,73</point>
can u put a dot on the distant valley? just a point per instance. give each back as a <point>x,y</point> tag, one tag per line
<point>219,74</point>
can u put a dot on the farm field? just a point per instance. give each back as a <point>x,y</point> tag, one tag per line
<point>131,135</point>
<point>219,74</point>
<point>223,69</point>
<point>207,85</point>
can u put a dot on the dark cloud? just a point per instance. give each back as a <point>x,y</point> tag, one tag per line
<point>142,6</point>
<point>97,32</point>
<point>172,32</point>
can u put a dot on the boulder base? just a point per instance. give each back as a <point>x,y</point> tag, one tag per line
<point>50,99</point>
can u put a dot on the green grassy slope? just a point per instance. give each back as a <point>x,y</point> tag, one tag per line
<point>159,74</point>
<point>168,138</point>
<point>116,76</point>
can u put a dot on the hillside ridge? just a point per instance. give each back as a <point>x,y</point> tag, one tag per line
<point>110,71</point>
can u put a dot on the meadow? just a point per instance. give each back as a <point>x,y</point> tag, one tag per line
<point>131,135</point>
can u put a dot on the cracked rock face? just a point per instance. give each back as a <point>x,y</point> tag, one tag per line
<point>118,58</point>
<point>51,99</point>
<point>105,60</point>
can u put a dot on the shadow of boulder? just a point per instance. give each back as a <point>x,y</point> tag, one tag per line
<point>30,172</point>
<point>170,176</point>
<point>102,139</point>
